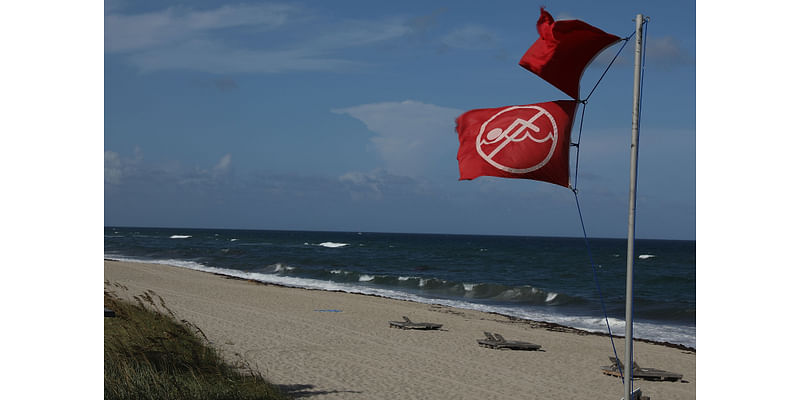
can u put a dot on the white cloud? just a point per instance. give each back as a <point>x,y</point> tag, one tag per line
<point>208,56</point>
<point>471,37</point>
<point>563,16</point>
<point>667,51</point>
<point>156,29</point>
<point>126,171</point>
<point>354,33</point>
<point>411,136</point>
<point>224,164</point>
<point>113,168</point>
<point>362,185</point>
<point>375,184</point>
<point>267,38</point>
<point>660,51</point>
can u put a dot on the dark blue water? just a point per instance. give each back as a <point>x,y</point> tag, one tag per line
<point>538,278</point>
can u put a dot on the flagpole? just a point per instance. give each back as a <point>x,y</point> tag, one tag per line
<point>632,210</point>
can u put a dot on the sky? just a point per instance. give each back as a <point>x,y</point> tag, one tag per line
<point>339,116</point>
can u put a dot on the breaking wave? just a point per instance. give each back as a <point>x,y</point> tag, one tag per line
<point>333,245</point>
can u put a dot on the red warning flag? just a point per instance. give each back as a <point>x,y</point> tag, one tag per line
<point>530,142</point>
<point>563,51</point>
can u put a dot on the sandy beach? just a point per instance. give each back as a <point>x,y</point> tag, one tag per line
<point>332,345</point>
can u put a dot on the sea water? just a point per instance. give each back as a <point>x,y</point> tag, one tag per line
<point>549,279</point>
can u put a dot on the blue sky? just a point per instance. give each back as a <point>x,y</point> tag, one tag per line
<point>340,116</point>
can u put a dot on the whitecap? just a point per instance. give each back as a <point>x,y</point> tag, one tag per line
<point>646,256</point>
<point>551,297</point>
<point>233,240</point>
<point>180,236</point>
<point>366,278</point>
<point>282,268</point>
<point>332,245</point>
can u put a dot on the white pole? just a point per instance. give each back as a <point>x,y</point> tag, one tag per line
<point>637,67</point>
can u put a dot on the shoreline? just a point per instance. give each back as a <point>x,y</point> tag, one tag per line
<point>353,354</point>
<point>554,326</point>
<point>550,326</point>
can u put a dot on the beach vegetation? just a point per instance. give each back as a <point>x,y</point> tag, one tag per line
<point>152,355</point>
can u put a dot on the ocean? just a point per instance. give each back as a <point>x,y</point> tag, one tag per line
<point>546,279</point>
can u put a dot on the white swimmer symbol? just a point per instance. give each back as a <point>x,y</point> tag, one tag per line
<point>517,132</point>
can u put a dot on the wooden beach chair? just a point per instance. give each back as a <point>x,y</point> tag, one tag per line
<point>651,374</point>
<point>515,344</point>
<point>408,324</point>
<point>498,342</point>
<point>489,342</point>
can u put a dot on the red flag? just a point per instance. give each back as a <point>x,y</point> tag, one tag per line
<point>563,51</point>
<point>530,142</point>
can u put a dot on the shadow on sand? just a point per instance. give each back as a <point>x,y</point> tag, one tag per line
<point>299,391</point>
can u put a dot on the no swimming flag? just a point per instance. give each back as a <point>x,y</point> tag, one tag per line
<point>529,141</point>
<point>563,51</point>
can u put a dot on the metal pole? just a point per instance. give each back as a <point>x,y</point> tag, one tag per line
<point>637,77</point>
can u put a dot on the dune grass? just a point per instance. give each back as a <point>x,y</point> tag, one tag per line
<point>152,355</point>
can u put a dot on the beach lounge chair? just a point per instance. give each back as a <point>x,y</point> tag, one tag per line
<point>497,341</point>
<point>515,344</point>
<point>489,342</point>
<point>641,373</point>
<point>408,324</point>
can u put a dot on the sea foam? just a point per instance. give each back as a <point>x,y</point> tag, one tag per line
<point>180,236</point>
